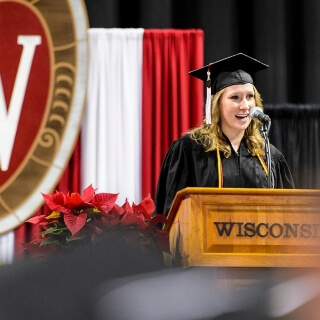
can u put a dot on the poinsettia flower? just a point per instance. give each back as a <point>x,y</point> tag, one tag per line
<point>88,217</point>
<point>38,220</point>
<point>42,220</point>
<point>127,207</point>
<point>158,218</point>
<point>74,201</point>
<point>56,201</point>
<point>146,206</point>
<point>75,222</point>
<point>130,218</point>
<point>104,201</point>
<point>110,221</point>
<point>88,193</point>
<point>116,211</point>
<point>162,240</point>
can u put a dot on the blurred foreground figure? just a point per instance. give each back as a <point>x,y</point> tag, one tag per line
<point>60,287</point>
<point>115,280</point>
<point>198,293</point>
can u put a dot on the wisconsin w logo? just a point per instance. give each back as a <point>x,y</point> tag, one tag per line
<point>9,117</point>
<point>42,93</point>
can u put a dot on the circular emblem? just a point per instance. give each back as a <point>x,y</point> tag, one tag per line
<point>43,67</point>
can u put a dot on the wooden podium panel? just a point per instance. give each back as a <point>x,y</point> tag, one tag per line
<point>244,228</point>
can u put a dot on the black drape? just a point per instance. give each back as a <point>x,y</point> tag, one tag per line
<point>281,33</point>
<point>295,130</point>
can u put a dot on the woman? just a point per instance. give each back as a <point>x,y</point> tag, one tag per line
<point>228,150</point>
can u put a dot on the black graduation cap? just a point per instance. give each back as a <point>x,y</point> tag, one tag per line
<point>236,69</point>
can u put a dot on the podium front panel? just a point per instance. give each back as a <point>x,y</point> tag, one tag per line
<point>245,227</point>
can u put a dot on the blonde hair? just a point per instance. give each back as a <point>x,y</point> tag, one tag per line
<point>211,136</point>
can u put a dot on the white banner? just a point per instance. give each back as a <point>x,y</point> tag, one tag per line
<point>111,131</point>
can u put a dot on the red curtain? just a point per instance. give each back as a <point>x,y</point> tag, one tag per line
<point>70,181</point>
<point>172,101</point>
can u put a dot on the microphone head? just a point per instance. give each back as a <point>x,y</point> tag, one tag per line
<point>256,113</point>
<point>253,112</point>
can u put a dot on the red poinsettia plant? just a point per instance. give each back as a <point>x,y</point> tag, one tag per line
<point>76,219</point>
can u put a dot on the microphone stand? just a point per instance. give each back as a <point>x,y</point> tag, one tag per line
<point>265,131</point>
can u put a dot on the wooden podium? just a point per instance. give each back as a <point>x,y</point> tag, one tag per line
<point>244,228</point>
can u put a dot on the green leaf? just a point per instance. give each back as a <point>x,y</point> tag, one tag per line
<point>54,230</point>
<point>50,240</point>
<point>69,239</point>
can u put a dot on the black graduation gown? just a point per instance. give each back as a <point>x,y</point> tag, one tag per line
<point>187,164</point>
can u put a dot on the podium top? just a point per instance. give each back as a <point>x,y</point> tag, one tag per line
<point>262,196</point>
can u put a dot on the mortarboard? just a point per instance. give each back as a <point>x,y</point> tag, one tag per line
<point>236,69</point>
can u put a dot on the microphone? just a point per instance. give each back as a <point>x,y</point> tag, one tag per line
<point>256,113</point>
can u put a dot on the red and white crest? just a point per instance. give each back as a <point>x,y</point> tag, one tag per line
<point>43,61</point>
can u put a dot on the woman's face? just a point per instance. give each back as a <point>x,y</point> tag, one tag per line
<point>234,105</point>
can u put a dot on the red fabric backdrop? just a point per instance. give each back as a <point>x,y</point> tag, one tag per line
<point>172,101</point>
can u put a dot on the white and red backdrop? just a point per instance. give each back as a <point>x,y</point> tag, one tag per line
<point>139,98</point>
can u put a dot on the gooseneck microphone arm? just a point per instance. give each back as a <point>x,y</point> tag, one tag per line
<point>256,113</point>
<point>265,127</point>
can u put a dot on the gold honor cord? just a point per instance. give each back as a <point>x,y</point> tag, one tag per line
<point>263,164</point>
<point>220,170</point>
